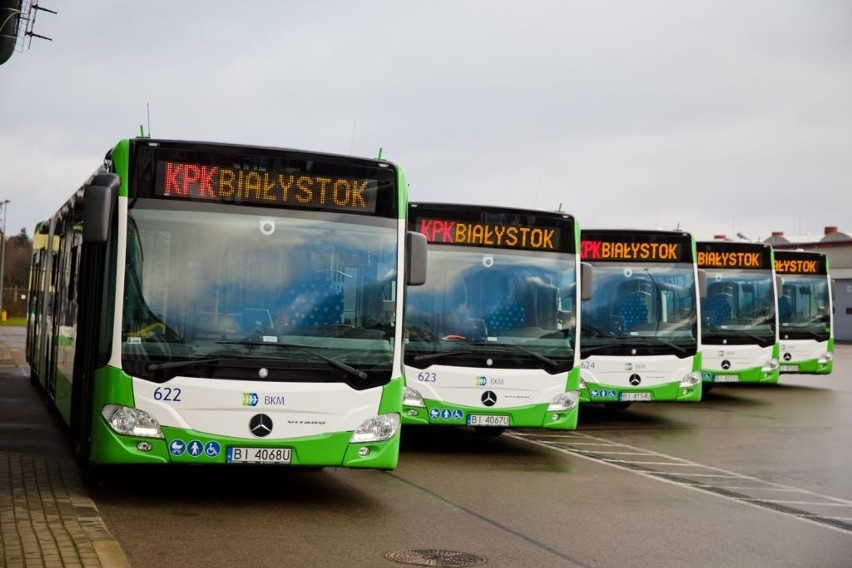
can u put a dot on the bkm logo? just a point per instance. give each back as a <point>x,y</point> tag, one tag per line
<point>250,399</point>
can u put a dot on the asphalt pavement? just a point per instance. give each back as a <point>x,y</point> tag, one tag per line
<point>47,517</point>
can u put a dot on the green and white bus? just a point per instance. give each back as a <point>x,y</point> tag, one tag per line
<point>805,312</point>
<point>226,304</point>
<point>491,338</point>
<point>739,323</point>
<point>639,339</point>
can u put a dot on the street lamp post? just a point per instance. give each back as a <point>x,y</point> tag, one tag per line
<point>5,204</point>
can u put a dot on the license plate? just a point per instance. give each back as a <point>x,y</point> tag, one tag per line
<point>789,368</point>
<point>726,378</point>
<point>635,396</point>
<point>259,455</point>
<point>487,420</point>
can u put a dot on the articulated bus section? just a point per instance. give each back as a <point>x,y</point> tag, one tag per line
<point>739,320</point>
<point>640,327</point>
<point>206,303</point>
<point>805,312</point>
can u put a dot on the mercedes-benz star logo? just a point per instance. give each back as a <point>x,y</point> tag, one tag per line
<point>489,398</point>
<point>635,379</point>
<point>787,356</point>
<point>260,425</point>
<point>726,364</point>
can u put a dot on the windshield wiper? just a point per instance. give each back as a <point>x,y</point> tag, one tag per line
<point>674,346</point>
<point>632,342</point>
<point>330,360</point>
<point>547,361</point>
<point>441,355</point>
<point>191,362</point>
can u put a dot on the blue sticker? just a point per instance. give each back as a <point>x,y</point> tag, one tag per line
<point>212,449</point>
<point>446,414</point>
<point>595,393</point>
<point>457,414</point>
<point>434,413</point>
<point>177,447</point>
<point>194,448</point>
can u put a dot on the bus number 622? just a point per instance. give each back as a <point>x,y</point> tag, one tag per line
<point>167,394</point>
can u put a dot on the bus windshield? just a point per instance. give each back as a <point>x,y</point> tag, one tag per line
<point>649,309</point>
<point>803,307</point>
<point>739,307</point>
<point>495,307</point>
<point>221,292</point>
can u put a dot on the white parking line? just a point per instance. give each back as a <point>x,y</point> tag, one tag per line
<point>599,456</point>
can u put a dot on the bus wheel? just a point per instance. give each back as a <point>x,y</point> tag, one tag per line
<point>488,431</point>
<point>617,405</point>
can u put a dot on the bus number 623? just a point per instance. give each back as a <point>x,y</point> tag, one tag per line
<point>426,377</point>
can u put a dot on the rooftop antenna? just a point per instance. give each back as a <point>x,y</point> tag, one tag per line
<point>379,157</point>
<point>142,128</point>
<point>35,9</point>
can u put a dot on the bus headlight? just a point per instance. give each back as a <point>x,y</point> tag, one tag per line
<point>131,421</point>
<point>690,380</point>
<point>376,429</point>
<point>825,358</point>
<point>770,365</point>
<point>563,401</point>
<point>411,397</point>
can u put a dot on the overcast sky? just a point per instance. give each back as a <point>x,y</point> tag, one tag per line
<point>711,116</point>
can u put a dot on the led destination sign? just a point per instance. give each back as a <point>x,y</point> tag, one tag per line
<point>200,182</point>
<point>787,262</point>
<point>797,266</point>
<point>514,236</point>
<point>708,259</point>
<point>713,255</point>
<point>659,251</point>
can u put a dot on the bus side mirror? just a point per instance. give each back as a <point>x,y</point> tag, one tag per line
<point>99,199</point>
<point>702,283</point>
<point>415,258</point>
<point>587,273</point>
